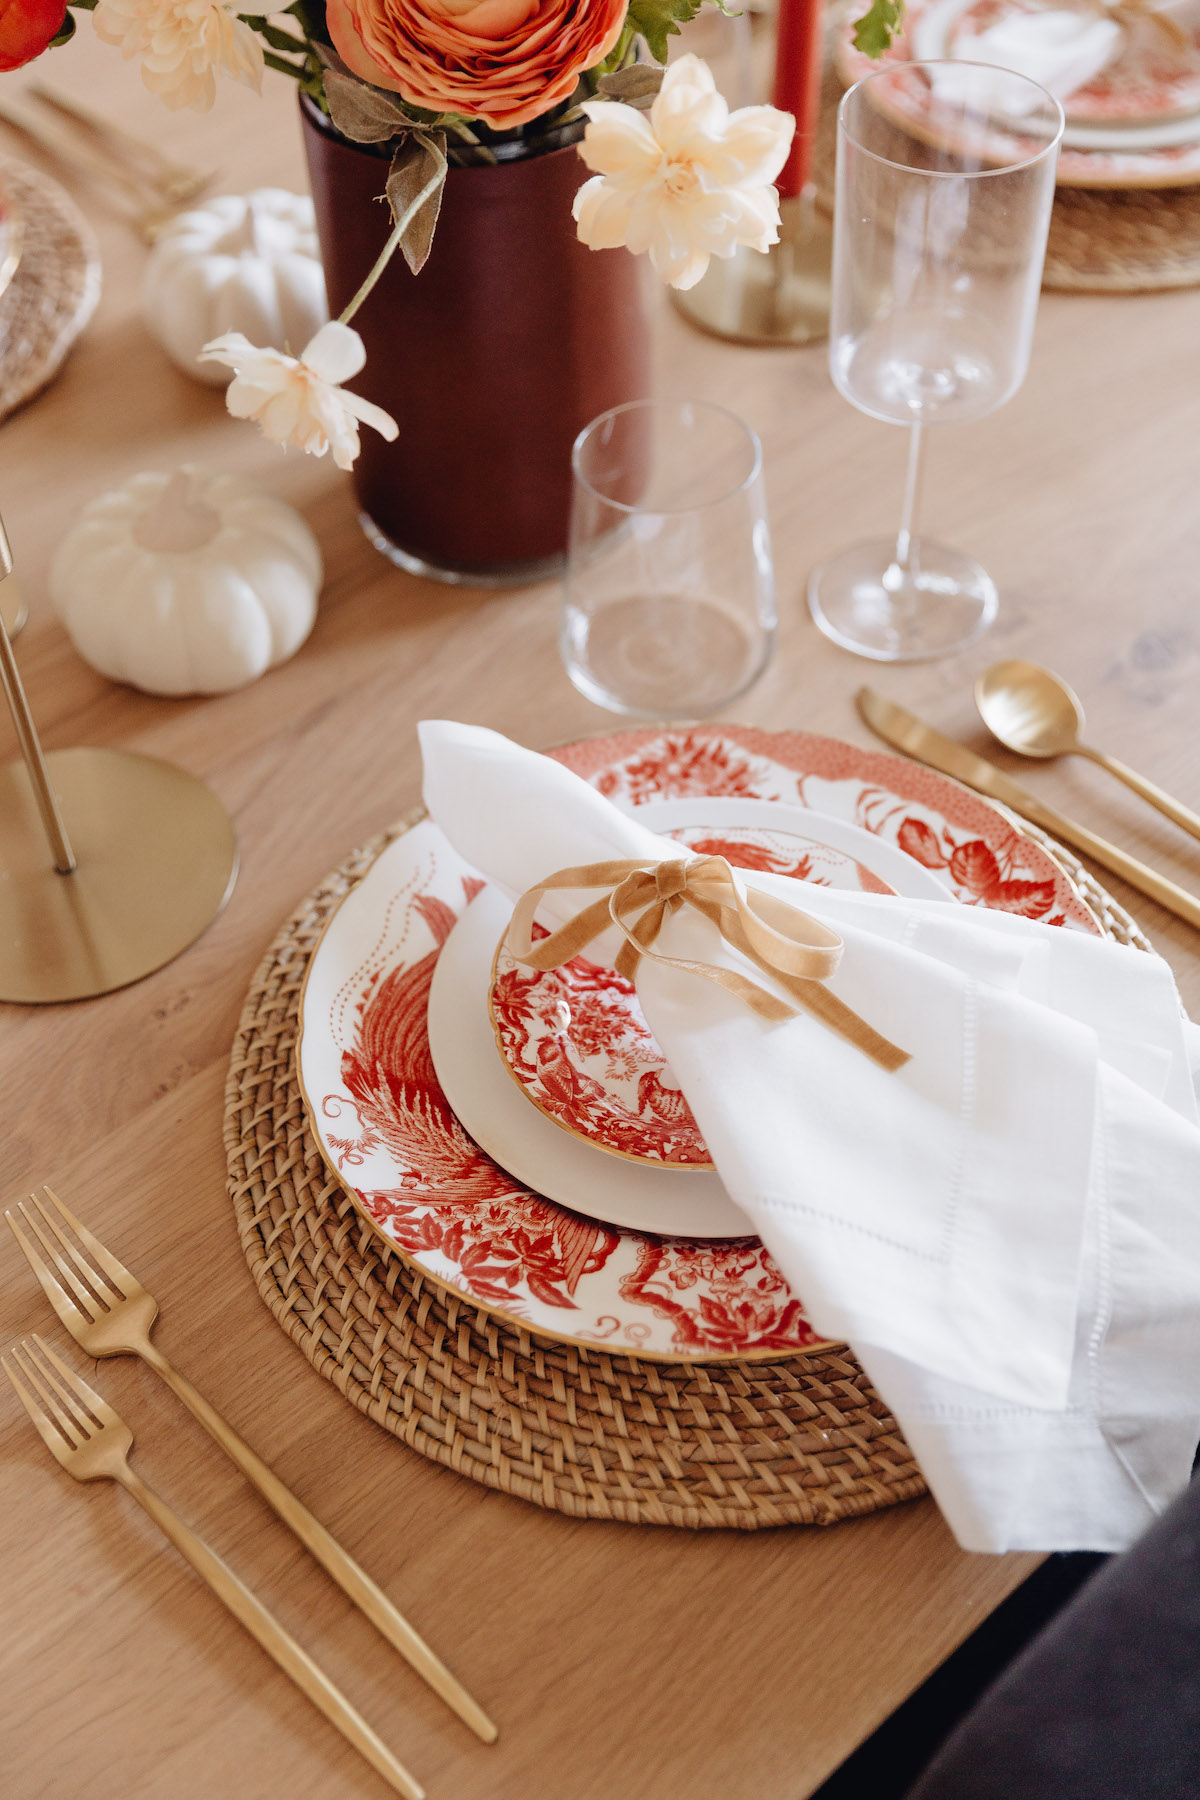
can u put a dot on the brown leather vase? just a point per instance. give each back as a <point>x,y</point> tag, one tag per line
<point>491,360</point>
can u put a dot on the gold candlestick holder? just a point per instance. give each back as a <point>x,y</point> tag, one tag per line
<point>778,296</point>
<point>13,611</point>
<point>111,863</point>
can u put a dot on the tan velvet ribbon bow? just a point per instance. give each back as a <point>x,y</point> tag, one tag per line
<point>791,946</point>
<point>1131,12</point>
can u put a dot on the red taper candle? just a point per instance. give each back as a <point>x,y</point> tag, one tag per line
<point>798,85</point>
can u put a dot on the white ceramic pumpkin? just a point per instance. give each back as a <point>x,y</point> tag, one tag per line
<point>189,583</point>
<point>240,262</point>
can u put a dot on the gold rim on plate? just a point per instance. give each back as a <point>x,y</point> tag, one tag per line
<point>643,1162</point>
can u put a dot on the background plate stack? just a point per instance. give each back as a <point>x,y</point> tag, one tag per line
<point>1127,239</point>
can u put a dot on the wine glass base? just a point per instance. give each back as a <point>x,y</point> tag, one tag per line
<point>865,602</point>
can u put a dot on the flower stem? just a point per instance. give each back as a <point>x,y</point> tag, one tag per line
<point>389,249</point>
<point>468,137</point>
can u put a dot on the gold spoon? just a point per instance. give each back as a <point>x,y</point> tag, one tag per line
<point>1035,713</point>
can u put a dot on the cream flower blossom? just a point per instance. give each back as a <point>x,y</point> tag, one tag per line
<point>686,181</point>
<point>182,43</point>
<point>297,400</point>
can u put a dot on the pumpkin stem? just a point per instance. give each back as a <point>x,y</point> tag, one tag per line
<point>175,521</point>
<point>250,234</point>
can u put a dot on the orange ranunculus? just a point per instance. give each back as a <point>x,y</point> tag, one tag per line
<point>26,27</point>
<point>502,61</point>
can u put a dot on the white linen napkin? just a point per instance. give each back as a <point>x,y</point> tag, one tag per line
<point>1006,1229</point>
<point>1061,49</point>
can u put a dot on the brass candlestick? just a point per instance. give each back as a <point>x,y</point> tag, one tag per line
<point>12,607</point>
<point>781,296</point>
<point>111,863</point>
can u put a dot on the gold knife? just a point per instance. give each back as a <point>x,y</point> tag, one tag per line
<point>904,731</point>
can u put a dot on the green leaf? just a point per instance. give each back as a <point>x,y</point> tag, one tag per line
<point>414,191</point>
<point>273,34</point>
<point>65,33</point>
<point>617,57</point>
<point>282,66</point>
<point>657,20</point>
<point>874,32</point>
<point>636,86</point>
<point>365,114</point>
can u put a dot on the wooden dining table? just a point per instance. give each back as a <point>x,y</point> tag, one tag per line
<point>640,1662</point>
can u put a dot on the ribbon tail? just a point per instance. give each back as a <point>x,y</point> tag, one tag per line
<point>800,956</point>
<point>816,998</point>
<point>811,993</point>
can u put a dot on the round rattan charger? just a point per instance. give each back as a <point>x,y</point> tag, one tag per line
<point>802,1441</point>
<point>56,286</point>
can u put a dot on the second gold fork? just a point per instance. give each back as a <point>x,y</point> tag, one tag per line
<point>92,1443</point>
<point>109,1313</point>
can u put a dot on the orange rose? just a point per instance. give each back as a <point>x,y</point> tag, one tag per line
<point>26,27</point>
<point>502,61</point>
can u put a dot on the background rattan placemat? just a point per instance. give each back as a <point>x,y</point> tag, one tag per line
<point>1102,240</point>
<point>55,289</point>
<point>802,1441</point>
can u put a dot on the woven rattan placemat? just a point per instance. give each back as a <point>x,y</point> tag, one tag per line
<point>802,1441</point>
<point>55,289</point>
<point>1102,240</point>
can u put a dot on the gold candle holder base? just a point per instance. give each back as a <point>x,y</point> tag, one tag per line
<point>777,297</point>
<point>156,859</point>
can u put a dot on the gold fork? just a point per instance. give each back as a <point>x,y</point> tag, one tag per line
<point>147,210</point>
<point>176,182</point>
<point>93,1443</point>
<point>109,1313</point>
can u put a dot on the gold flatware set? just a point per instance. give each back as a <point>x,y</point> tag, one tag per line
<point>109,1313</point>
<point>1034,713</point>
<point>151,187</point>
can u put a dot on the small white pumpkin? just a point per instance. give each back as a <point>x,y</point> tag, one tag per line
<point>190,583</point>
<point>240,262</point>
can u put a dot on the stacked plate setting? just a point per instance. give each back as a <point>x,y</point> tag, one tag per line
<point>1135,123</point>
<point>519,1136</point>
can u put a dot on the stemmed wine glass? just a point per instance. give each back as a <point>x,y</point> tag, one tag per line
<point>945,179</point>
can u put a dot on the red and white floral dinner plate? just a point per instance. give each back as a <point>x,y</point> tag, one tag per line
<point>388,1132</point>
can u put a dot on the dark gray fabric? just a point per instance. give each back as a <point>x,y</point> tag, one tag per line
<point>1105,1703</point>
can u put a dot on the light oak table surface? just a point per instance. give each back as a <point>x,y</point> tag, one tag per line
<point>619,1661</point>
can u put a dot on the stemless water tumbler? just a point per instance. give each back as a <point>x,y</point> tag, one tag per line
<point>945,178</point>
<point>669,602</point>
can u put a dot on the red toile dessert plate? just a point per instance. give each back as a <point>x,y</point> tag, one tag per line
<point>575,1039</point>
<point>560,1165</point>
<point>389,1134</point>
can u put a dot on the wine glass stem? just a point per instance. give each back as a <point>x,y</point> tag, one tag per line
<point>904,562</point>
